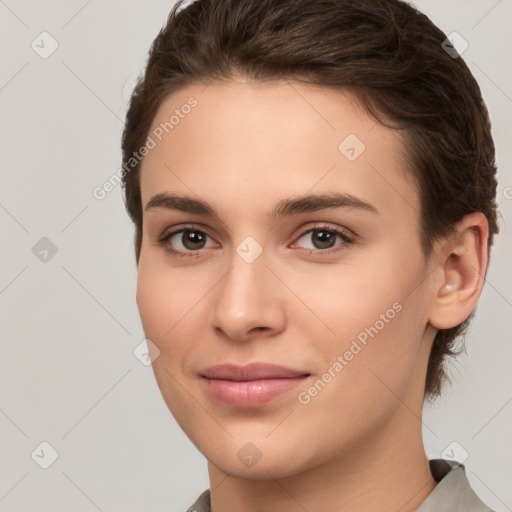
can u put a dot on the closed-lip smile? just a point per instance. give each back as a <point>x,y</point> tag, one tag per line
<point>251,385</point>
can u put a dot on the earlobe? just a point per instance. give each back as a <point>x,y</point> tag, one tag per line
<point>463,270</point>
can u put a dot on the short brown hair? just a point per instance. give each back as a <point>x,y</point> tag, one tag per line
<point>387,52</point>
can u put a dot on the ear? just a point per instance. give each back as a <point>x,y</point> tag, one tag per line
<point>463,258</point>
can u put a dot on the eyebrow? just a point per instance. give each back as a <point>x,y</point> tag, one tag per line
<point>283,208</point>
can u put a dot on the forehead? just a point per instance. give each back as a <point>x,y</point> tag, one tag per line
<point>246,144</point>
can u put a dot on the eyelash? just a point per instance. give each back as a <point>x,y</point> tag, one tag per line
<point>163,241</point>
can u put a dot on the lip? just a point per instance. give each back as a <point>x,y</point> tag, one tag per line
<point>252,385</point>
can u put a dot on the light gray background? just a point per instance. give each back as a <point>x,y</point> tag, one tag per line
<point>69,326</point>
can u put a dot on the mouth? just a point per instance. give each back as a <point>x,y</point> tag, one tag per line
<point>250,386</point>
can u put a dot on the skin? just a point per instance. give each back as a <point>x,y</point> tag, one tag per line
<point>243,148</point>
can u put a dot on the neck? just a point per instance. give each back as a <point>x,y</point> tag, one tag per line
<point>390,472</point>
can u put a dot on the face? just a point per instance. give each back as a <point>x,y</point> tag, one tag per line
<point>298,247</point>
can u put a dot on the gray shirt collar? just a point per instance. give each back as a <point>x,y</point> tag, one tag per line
<point>453,492</point>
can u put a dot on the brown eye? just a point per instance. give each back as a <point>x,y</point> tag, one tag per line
<point>185,242</point>
<point>192,239</point>
<point>323,239</point>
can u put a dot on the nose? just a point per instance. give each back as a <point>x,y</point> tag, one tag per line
<point>249,301</point>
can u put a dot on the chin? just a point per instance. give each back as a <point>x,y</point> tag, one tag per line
<point>261,459</point>
<point>274,466</point>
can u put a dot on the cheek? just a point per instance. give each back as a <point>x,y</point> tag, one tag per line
<point>171,304</point>
<point>375,322</point>
<point>354,298</point>
<point>163,309</point>
<point>154,304</point>
<point>161,303</point>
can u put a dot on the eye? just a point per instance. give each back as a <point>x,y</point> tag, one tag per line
<point>188,240</point>
<point>323,239</point>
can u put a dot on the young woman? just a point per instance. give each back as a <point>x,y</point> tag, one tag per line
<point>313,190</point>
